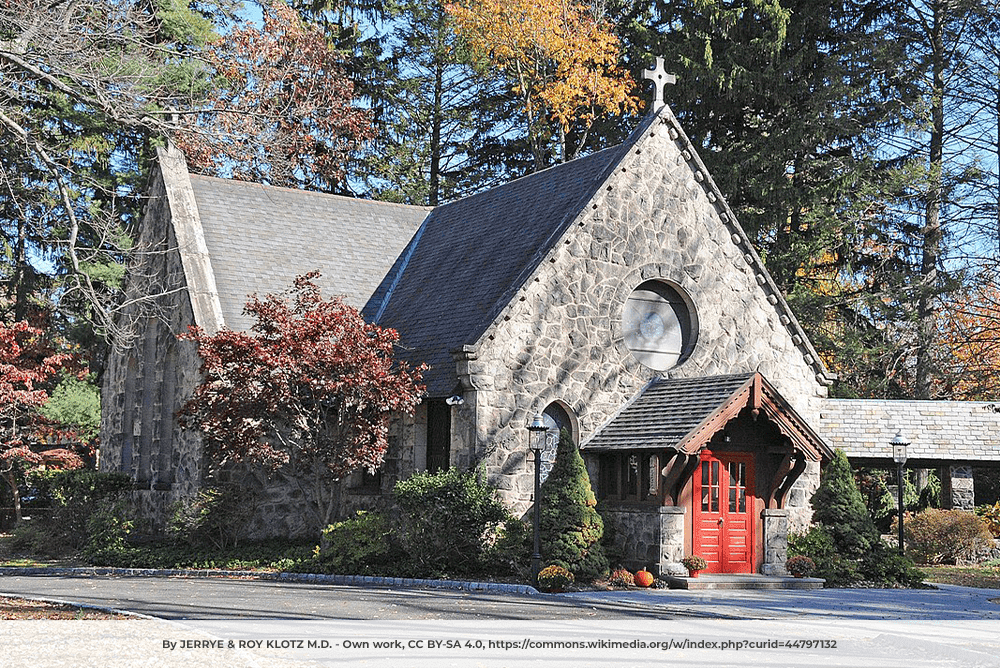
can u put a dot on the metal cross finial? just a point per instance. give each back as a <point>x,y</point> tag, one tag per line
<point>658,75</point>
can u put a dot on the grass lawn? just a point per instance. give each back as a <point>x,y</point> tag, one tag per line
<point>983,576</point>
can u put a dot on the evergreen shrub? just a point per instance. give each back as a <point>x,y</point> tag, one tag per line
<point>844,543</point>
<point>571,527</point>
<point>837,506</point>
<point>361,545</point>
<point>818,545</point>
<point>885,567</point>
<point>214,515</point>
<point>72,497</point>
<point>447,521</point>
<point>108,533</point>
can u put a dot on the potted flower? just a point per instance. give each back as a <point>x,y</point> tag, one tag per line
<point>694,563</point>
<point>800,566</point>
<point>554,579</point>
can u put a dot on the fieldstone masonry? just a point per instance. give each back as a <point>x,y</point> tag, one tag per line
<point>957,488</point>
<point>775,533</point>
<point>651,538</point>
<point>556,333</point>
<point>658,216</point>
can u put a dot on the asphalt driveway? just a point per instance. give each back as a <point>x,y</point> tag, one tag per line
<point>227,598</point>
<point>248,623</point>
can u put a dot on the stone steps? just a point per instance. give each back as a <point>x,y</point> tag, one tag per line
<point>713,581</point>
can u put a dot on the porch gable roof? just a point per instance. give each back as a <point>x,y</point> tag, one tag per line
<point>683,414</point>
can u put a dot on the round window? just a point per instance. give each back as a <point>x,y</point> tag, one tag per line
<point>659,325</point>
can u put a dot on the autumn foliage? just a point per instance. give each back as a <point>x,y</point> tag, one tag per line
<point>563,62</point>
<point>28,364</point>
<point>971,330</point>
<point>307,393</point>
<point>282,113</point>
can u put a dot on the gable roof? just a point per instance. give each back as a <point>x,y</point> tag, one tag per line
<point>937,430</point>
<point>684,413</point>
<point>458,271</point>
<point>260,237</point>
<point>451,282</point>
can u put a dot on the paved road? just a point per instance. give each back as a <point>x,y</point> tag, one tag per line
<point>231,623</point>
<point>944,602</point>
<point>220,598</point>
<point>217,598</point>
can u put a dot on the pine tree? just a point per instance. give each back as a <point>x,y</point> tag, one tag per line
<point>571,528</point>
<point>839,508</point>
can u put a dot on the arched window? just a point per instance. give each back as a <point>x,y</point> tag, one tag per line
<point>556,419</point>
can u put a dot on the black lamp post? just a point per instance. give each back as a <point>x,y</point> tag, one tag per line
<point>536,443</point>
<point>899,444</point>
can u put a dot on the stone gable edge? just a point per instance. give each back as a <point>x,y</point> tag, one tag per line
<point>185,221</point>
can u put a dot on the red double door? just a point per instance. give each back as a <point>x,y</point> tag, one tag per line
<point>723,512</point>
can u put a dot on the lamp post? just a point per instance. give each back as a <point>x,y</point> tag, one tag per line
<point>536,443</point>
<point>899,444</point>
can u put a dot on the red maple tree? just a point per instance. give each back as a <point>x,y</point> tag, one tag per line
<point>307,393</point>
<point>28,364</point>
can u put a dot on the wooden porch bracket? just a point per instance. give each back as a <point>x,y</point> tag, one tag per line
<point>676,472</point>
<point>789,470</point>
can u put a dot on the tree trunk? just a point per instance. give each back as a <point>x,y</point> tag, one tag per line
<point>434,189</point>
<point>11,479</point>
<point>931,233</point>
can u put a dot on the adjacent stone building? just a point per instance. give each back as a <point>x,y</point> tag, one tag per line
<point>615,294</point>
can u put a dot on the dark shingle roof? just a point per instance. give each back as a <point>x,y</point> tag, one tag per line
<point>261,237</point>
<point>666,412</point>
<point>452,279</point>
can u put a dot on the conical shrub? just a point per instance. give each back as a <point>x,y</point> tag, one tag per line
<point>571,527</point>
<point>838,507</point>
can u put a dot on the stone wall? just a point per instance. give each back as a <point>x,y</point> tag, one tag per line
<point>957,488</point>
<point>150,372</point>
<point>650,537</point>
<point>775,534</point>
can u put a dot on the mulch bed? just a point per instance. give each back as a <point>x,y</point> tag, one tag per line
<point>17,608</point>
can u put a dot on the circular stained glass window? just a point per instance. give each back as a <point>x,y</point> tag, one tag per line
<point>659,325</point>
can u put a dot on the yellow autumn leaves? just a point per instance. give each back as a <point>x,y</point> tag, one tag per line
<point>563,61</point>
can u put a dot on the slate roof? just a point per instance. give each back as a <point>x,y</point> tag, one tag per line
<point>937,430</point>
<point>665,412</point>
<point>451,281</point>
<point>261,237</point>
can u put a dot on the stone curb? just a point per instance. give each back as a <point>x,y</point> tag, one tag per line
<point>316,578</point>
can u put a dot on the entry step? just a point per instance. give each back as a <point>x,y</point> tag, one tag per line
<point>714,581</point>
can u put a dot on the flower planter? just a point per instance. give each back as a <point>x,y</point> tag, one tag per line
<point>693,574</point>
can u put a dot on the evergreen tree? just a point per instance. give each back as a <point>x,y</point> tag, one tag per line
<point>443,128</point>
<point>571,528</point>
<point>839,508</point>
<point>794,106</point>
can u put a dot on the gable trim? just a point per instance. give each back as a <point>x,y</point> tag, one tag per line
<point>186,224</point>
<point>754,393</point>
<point>411,248</point>
<point>762,398</point>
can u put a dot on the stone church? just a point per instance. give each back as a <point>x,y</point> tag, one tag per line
<point>615,294</point>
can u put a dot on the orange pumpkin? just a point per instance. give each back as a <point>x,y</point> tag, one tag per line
<point>644,578</point>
